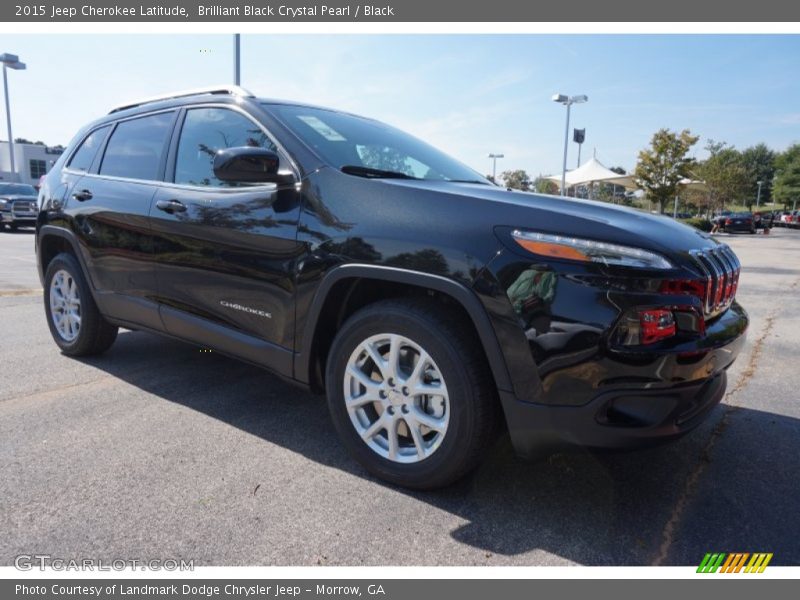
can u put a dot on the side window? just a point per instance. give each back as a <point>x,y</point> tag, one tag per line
<point>84,156</point>
<point>135,147</point>
<point>204,132</point>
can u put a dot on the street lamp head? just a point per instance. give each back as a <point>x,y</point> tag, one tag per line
<point>11,61</point>
<point>497,155</point>
<point>567,100</point>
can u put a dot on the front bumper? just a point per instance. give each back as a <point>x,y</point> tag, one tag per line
<point>682,388</point>
<point>12,218</point>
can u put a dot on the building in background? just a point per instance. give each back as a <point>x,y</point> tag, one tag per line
<point>32,161</point>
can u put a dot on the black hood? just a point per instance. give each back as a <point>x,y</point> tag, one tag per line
<point>581,218</point>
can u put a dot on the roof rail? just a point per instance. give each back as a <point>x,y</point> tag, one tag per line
<point>230,90</point>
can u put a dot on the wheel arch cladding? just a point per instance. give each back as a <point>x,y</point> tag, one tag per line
<point>52,241</point>
<point>347,288</point>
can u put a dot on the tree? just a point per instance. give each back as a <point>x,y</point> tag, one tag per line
<point>27,141</point>
<point>516,180</point>
<point>724,175</point>
<point>664,164</point>
<point>787,175</point>
<point>759,163</point>
<point>543,185</point>
<point>386,159</point>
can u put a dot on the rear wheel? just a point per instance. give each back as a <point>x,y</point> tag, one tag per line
<point>75,323</point>
<point>410,393</point>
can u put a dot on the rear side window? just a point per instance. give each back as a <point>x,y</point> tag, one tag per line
<point>84,156</point>
<point>135,148</point>
<point>206,131</point>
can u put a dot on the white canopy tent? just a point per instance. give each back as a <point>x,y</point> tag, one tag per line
<point>593,171</point>
<point>693,184</point>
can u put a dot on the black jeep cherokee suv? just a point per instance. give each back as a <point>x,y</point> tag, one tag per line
<point>351,258</point>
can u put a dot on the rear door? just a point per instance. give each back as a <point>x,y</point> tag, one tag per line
<point>110,206</point>
<point>225,252</point>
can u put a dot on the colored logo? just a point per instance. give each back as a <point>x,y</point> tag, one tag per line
<point>734,562</point>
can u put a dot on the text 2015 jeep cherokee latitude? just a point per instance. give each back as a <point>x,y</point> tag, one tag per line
<point>352,258</point>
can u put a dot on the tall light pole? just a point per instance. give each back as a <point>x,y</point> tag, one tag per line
<point>758,197</point>
<point>10,61</point>
<point>567,101</point>
<point>237,67</point>
<point>494,158</point>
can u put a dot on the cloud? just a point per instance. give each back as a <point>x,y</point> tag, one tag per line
<point>789,119</point>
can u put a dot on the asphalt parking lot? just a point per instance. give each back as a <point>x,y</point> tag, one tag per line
<point>157,450</point>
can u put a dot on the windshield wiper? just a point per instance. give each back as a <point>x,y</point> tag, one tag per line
<point>369,172</point>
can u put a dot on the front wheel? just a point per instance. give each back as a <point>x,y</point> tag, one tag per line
<point>410,393</point>
<point>75,322</point>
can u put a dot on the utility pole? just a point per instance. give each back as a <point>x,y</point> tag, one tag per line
<point>237,71</point>
<point>10,61</point>
<point>494,158</point>
<point>567,101</point>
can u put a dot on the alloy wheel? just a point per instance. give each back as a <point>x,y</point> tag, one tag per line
<point>65,305</point>
<point>396,398</point>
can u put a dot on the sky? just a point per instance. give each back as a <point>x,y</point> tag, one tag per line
<point>469,95</point>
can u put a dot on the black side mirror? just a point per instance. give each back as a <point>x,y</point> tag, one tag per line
<point>246,164</point>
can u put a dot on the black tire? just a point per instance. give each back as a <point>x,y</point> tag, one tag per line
<point>455,349</point>
<point>95,334</point>
<point>13,227</point>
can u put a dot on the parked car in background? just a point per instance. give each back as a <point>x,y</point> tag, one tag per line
<point>719,217</point>
<point>17,205</point>
<point>738,222</point>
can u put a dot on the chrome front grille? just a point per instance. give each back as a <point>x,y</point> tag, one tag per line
<point>721,268</point>
<point>23,208</point>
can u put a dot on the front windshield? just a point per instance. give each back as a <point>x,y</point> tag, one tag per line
<point>17,189</point>
<point>344,140</point>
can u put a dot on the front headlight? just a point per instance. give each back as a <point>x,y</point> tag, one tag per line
<point>572,248</point>
<point>4,202</point>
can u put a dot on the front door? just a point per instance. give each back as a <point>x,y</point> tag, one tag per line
<point>225,253</point>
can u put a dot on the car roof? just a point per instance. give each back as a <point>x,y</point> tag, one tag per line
<point>145,106</point>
